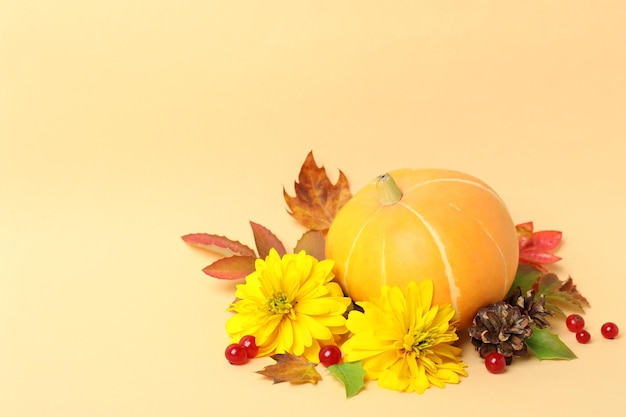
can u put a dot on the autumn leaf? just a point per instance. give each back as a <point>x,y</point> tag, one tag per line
<point>232,267</point>
<point>560,293</point>
<point>218,244</point>
<point>266,240</point>
<point>317,201</point>
<point>524,233</point>
<point>535,248</point>
<point>546,239</point>
<point>291,368</point>
<point>351,374</point>
<point>313,243</point>
<point>547,345</point>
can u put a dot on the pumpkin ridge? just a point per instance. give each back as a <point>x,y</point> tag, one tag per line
<point>461,180</point>
<point>491,238</point>
<point>449,226</point>
<point>346,265</point>
<point>454,289</point>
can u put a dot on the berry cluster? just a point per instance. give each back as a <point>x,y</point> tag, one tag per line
<point>240,353</point>
<point>246,349</point>
<point>496,362</point>
<point>576,324</point>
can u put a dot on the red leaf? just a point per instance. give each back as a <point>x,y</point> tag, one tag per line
<point>218,244</point>
<point>535,247</point>
<point>525,234</point>
<point>234,267</point>
<point>546,239</point>
<point>266,240</point>
<point>537,256</point>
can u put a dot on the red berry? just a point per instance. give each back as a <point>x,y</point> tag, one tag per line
<point>236,354</point>
<point>609,330</point>
<point>249,343</point>
<point>495,363</point>
<point>575,323</point>
<point>330,355</point>
<point>583,337</point>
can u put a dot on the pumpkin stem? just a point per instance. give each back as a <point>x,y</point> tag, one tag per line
<point>388,191</point>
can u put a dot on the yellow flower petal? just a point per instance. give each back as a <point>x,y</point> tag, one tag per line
<point>285,337</point>
<point>404,341</point>
<point>301,336</point>
<point>290,305</point>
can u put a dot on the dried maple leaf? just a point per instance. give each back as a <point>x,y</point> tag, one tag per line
<point>560,293</point>
<point>291,368</point>
<point>535,247</point>
<point>317,201</point>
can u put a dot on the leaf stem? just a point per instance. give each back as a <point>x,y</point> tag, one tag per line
<point>388,191</point>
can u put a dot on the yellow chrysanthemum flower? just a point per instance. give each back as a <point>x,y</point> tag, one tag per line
<point>290,305</point>
<point>404,341</point>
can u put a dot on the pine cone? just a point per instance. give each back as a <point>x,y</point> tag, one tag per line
<point>536,310</point>
<point>502,328</point>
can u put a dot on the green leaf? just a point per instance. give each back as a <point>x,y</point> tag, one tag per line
<point>547,345</point>
<point>351,374</point>
<point>525,278</point>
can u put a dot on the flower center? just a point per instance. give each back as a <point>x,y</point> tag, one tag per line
<point>416,342</point>
<point>279,304</point>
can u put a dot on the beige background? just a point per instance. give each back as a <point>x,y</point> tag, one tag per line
<point>126,124</point>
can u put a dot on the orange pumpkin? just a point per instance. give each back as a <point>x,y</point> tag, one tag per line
<point>411,225</point>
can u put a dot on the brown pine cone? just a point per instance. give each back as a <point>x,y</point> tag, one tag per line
<point>502,328</point>
<point>535,309</point>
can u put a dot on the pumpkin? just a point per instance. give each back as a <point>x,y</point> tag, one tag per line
<point>412,225</point>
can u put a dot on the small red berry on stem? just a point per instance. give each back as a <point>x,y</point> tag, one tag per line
<point>609,330</point>
<point>249,343</point>
<point>575,323</point>
<point>583,337</point>
<point>330,355</point>
<point>236,354</point>
<point>495,363</point>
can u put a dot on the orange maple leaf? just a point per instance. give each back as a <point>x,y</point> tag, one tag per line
<point>291,368</point>
<point>317,200</point>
